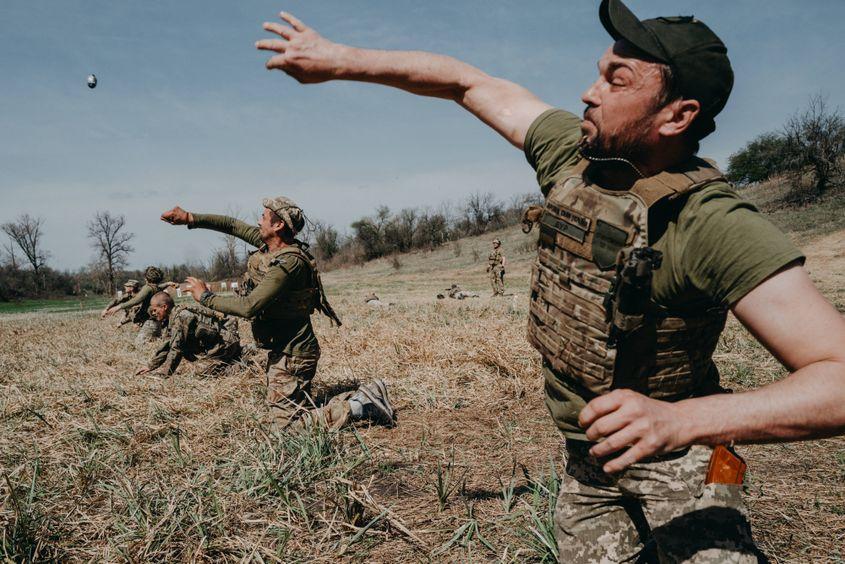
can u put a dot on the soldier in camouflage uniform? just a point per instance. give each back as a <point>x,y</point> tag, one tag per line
<point>496,268</point>
<point>193,333</point>
<point>150,329</point>
<point>283,289</point>
<point>643,249</point>
<point>130,288</point>
<point>457,293</point>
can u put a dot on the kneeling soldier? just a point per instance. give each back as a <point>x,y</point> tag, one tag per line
<point>282,289</point>
<point>193,333</point>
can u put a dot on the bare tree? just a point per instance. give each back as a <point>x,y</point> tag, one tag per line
<point>110,241</point>
<point>26,234</point>
<point>9,248</point>
<point>815,144</point>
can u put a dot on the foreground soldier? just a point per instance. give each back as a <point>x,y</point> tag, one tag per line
<point>627,358</point>
<point>150,328</point>
<point>282,290</point>
<point>130,288</point>
<point>496,268</point>
<point>193,333</point>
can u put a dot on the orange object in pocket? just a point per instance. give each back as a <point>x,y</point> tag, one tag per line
<point>726,467</point>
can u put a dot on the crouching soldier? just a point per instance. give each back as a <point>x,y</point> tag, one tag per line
<point>282,290</point>
<point>130,289</point>
<point>195,334</point>
<point>150,328</point>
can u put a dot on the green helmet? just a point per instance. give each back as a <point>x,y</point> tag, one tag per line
<point>153,275</point>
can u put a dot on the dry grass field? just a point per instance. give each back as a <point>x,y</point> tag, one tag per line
<point>100,465</point>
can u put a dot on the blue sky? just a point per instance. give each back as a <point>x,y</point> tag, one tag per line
<point>185,112</point>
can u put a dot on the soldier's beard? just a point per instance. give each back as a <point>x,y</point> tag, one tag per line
<point>628,144</point>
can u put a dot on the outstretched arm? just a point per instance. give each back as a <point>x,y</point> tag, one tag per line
<point>310,58</point>
<point>221,223</point>
<point>789,316</point>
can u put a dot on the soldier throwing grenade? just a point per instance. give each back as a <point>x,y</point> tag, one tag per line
<point>282,290</point>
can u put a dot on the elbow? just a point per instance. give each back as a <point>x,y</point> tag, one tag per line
<point>252,311</point>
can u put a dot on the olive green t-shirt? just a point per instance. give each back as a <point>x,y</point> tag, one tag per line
<point>716,248</point>
<point>291,273</point>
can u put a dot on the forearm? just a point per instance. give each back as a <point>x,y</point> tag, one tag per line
<point>503,105</point>
<point>242,306</point>
<point>138,299</point>
<point>808,404</point>
<point>418,72</point>
<point>159,357</point>
<point>265,293</point>
<point>227,225</point>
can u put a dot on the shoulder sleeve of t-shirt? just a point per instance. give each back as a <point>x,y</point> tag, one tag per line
<point>730,247</point>
<point>551,145</point>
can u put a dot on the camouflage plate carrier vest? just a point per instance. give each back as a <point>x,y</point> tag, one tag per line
<point>297,303</point>
<point>293,304</point>
<point>214,329</point>
<point>494,259</point>
<point>582,230</point>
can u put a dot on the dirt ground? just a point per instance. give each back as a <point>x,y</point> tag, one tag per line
<point>98,464</point>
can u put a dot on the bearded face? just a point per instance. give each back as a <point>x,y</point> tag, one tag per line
<point>622,105</point>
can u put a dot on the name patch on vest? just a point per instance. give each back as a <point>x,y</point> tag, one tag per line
<point>566,222</point>
<point>608,240</point>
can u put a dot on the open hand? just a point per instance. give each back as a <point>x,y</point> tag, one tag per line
<point>110,311</point>
<point>196,287</point>
<point>177,216</point>
<point>301,52</point>
<point>624,419</point>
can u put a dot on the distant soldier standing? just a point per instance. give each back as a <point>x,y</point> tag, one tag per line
<point>193,333</point>
<point>283,289</point>
<point>496,268</point>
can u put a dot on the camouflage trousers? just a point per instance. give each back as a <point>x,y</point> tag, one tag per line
<point>497,280</point>
<point>289,399</point>
<point>149,331</point>
<point>219,360</point>
<point>661,504</point>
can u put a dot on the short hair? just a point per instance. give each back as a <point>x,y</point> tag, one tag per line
<point>162,298</point>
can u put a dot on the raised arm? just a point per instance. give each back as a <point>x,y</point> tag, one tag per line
<point>310,58</point>
<point>222,223</point>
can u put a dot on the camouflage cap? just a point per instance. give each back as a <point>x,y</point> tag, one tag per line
<point>132,283</point>
<point>153,275</point>
<point>287,210</point>
<point>496,242</point>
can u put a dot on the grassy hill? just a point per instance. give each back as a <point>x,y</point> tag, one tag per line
<point>99,464</point>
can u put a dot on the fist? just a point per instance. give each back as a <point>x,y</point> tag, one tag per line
<point>177,216</point>
<point>197,287</point>
<point>300,51</point>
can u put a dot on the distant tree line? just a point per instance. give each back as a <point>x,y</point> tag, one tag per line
<point>26,273</point>
<point>808,152</point>
<point>386,233</point>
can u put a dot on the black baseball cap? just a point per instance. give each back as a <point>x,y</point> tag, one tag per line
<point>697,57</point>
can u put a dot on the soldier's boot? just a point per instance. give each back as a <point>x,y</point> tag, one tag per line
<point>372,402</point>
